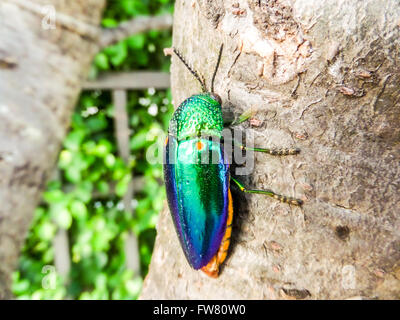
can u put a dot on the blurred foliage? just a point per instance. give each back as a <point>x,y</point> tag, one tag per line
<point>85,196</point>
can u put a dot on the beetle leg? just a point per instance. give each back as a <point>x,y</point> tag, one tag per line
<point>272,151</point>
<point>242,118</point>
<point>270,193</point>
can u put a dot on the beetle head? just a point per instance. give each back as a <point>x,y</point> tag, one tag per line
<point>216,97</point>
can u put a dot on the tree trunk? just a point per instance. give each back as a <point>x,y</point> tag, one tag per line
<point>44,59</point>
<point>324,77</point>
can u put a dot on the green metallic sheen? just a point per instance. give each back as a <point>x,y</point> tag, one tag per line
<point>197,192</point>
<point>196,174</point>
<point>198,115</point>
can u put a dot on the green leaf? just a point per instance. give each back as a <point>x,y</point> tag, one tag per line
<point>118,53</point>
<point>135,120</point>
<point>78,209</point>
<point>65,159</point>
<point>103,187</point>
<point>128,6</point>
<point>53,196</point>
<point>109,160</point>
<point>97,123</point>
<point>109,22</point>
<point>74,140</point>
<point>84,191</point>
<point>103,148</point>
<point>101,61</point>
<point>89,147</point>
<point>63,218</point>
<point>46,230</point>
<point>122,185</point>
<point>86,296</point>
<point>134,285</point>
<point>101,259</point>
<point>21,287</point>
<point>101,281</point>
<point>138,141</point>
<point>73,174</point>
<point>141,58</point>
<point>39,213</point>
<point>137,41</point>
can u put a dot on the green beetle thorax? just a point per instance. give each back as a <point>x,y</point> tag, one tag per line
<point>199,115</point>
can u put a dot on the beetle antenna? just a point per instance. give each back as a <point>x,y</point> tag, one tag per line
<point>193,72</point>
<point>216,68</point>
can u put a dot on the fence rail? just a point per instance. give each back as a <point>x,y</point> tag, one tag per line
<point>134,80</point>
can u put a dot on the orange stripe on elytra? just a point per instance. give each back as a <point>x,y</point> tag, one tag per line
<point>225,245</point>
<point>223,255</point>
<point>230,210</point>
<point>228,232</point>
<point>199,145</point>
<point>212,268</point>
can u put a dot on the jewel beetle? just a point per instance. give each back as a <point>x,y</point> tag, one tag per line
<point>198,191</point>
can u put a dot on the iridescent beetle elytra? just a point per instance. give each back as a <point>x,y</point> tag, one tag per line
<point>198,193</point>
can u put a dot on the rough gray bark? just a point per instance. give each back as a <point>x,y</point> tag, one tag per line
<point>41,73</point>
<point>324,77</point>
